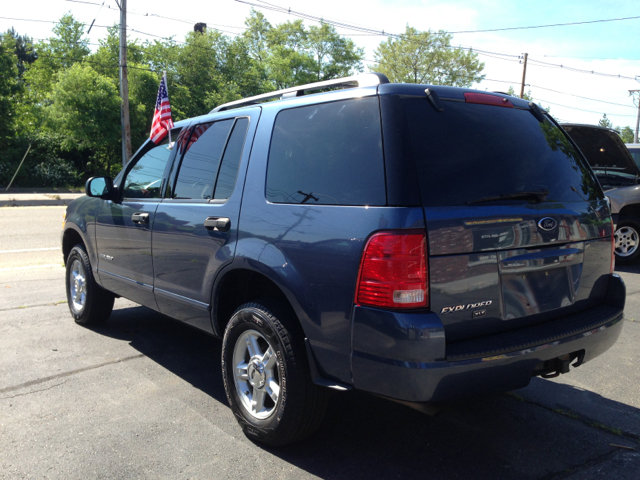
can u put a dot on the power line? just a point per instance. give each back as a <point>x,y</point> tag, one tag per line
<point>579,96</point>
<point>547,26</point>
<point>582,109</point>
<point>579,70</point>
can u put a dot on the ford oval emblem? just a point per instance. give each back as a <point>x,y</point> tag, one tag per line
<point>548,224</point>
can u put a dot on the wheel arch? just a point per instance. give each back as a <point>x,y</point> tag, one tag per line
<point>629,211</point>
<point>242,283</point>
<point>71,237</point>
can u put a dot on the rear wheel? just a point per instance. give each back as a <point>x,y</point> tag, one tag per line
<point>266,376</point>
<point>627,240</point>
<point>89,303</point>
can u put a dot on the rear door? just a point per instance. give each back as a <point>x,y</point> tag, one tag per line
<point>517,226</point>
<point>196,225</point>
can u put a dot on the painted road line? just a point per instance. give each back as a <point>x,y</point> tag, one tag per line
<point>30,250</point>
<point>33,266</point>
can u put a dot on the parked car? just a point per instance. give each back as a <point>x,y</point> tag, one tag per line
<point>634,150</point>
<point>618,174</point>
<point>420,243</point>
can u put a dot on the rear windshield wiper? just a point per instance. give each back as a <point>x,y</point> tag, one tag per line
<point>537,196</point>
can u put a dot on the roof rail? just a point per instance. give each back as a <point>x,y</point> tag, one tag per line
<point>363,80</point>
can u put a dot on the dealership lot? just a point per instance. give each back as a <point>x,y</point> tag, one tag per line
<point>142,397</point>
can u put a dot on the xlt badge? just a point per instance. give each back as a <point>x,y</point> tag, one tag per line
<point>469,306</point>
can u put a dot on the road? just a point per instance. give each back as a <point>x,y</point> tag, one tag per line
<point>142,397</point>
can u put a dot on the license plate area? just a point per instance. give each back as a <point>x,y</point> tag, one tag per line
<point>539,281</point>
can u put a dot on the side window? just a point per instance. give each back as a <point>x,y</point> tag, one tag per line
<point>144,180</point>
<point>199,165</point>
<point>328,154</point>
<point>231,161</point>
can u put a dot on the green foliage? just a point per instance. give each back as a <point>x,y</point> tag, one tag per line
<point>289,54</point>
<point>10,88</point>
<point>605,122</point>
<point>85,110</point>
<point>626,134</point>
<point>24,50</point>
<point>427,58</point>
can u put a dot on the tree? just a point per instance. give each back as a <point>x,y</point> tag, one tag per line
<point>427,58</point>
<point>626,134</point>
<point>289,54</point>
<point>10,87</point>
<point>605,122</point>
<point>24,50</point>
<point>85,110</point>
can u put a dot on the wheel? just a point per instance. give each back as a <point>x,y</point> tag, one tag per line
<point>267,378</point>
<point>627,241</point>
<point>89,303</point>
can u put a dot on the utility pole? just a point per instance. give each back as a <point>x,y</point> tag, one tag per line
<point>124,84</point>
<point>635,132</point>
<point>524,74</point>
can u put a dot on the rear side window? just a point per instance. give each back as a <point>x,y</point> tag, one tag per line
<point>231,160</point>
<point>328,154</point>
<point>199,166</point>
<point>469,152</point>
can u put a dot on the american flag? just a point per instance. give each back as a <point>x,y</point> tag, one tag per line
<point>162,121</point>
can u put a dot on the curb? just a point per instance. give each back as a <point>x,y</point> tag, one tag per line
<point>13,202</point>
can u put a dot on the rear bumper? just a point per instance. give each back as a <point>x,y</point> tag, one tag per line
<point>405,355</point>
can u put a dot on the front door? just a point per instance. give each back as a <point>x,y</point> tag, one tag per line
<point>123,227</point>
<point>196,225</point>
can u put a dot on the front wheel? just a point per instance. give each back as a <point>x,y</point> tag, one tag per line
<point>89,303</point>
<point>266,376</point>
<point>627,242</point>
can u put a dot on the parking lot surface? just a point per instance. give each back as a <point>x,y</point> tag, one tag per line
<point>142,397</point>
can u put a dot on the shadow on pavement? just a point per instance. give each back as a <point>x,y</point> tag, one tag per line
<point>495,436</point>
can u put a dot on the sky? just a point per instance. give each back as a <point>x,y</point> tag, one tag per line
<point>605,48</point>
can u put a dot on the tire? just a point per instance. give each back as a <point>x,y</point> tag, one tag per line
<point>627,240</point>
<point>88,302</point>
<point>269,346</point>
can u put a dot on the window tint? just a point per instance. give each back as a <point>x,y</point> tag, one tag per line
<point>231,160</point>
<point>199,165</point>
<point>145,177</point>
<point>469,152</point>
<point>328,154</point>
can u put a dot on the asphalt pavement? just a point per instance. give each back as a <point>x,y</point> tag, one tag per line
<point>142,397</point>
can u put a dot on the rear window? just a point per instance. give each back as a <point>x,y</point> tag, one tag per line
<point>469,152</point>
<point>328,154</point>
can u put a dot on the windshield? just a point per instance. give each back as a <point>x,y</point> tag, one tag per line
<point>468,153</point>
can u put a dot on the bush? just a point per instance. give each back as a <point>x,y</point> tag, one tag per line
<point>55,173</point>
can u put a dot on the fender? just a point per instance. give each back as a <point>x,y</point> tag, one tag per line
<point>272,264</point>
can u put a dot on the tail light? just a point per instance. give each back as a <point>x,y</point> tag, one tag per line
<point>613,248</point>
<point>393,271</point>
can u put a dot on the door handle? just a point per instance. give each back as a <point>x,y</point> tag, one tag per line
<point>220,224</point>
<point>140,218</point>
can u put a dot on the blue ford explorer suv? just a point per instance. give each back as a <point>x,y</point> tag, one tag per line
<point>420,243</point>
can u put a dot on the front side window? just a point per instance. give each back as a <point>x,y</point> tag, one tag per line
<point>144,180</point>
<point>199,166</point>
<point>328,154</point>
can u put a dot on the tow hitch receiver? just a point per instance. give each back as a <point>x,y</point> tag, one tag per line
<point>554,367</point>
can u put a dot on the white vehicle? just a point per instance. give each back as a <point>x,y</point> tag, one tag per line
<point>619,174</point>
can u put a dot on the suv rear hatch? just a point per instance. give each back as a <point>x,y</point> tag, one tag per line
<point>606,153</point>
<point>518,229</point>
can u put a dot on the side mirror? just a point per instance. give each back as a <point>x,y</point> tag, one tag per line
<point>101,187</point>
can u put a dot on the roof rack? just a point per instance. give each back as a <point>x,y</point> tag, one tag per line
<point>356,81</point>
